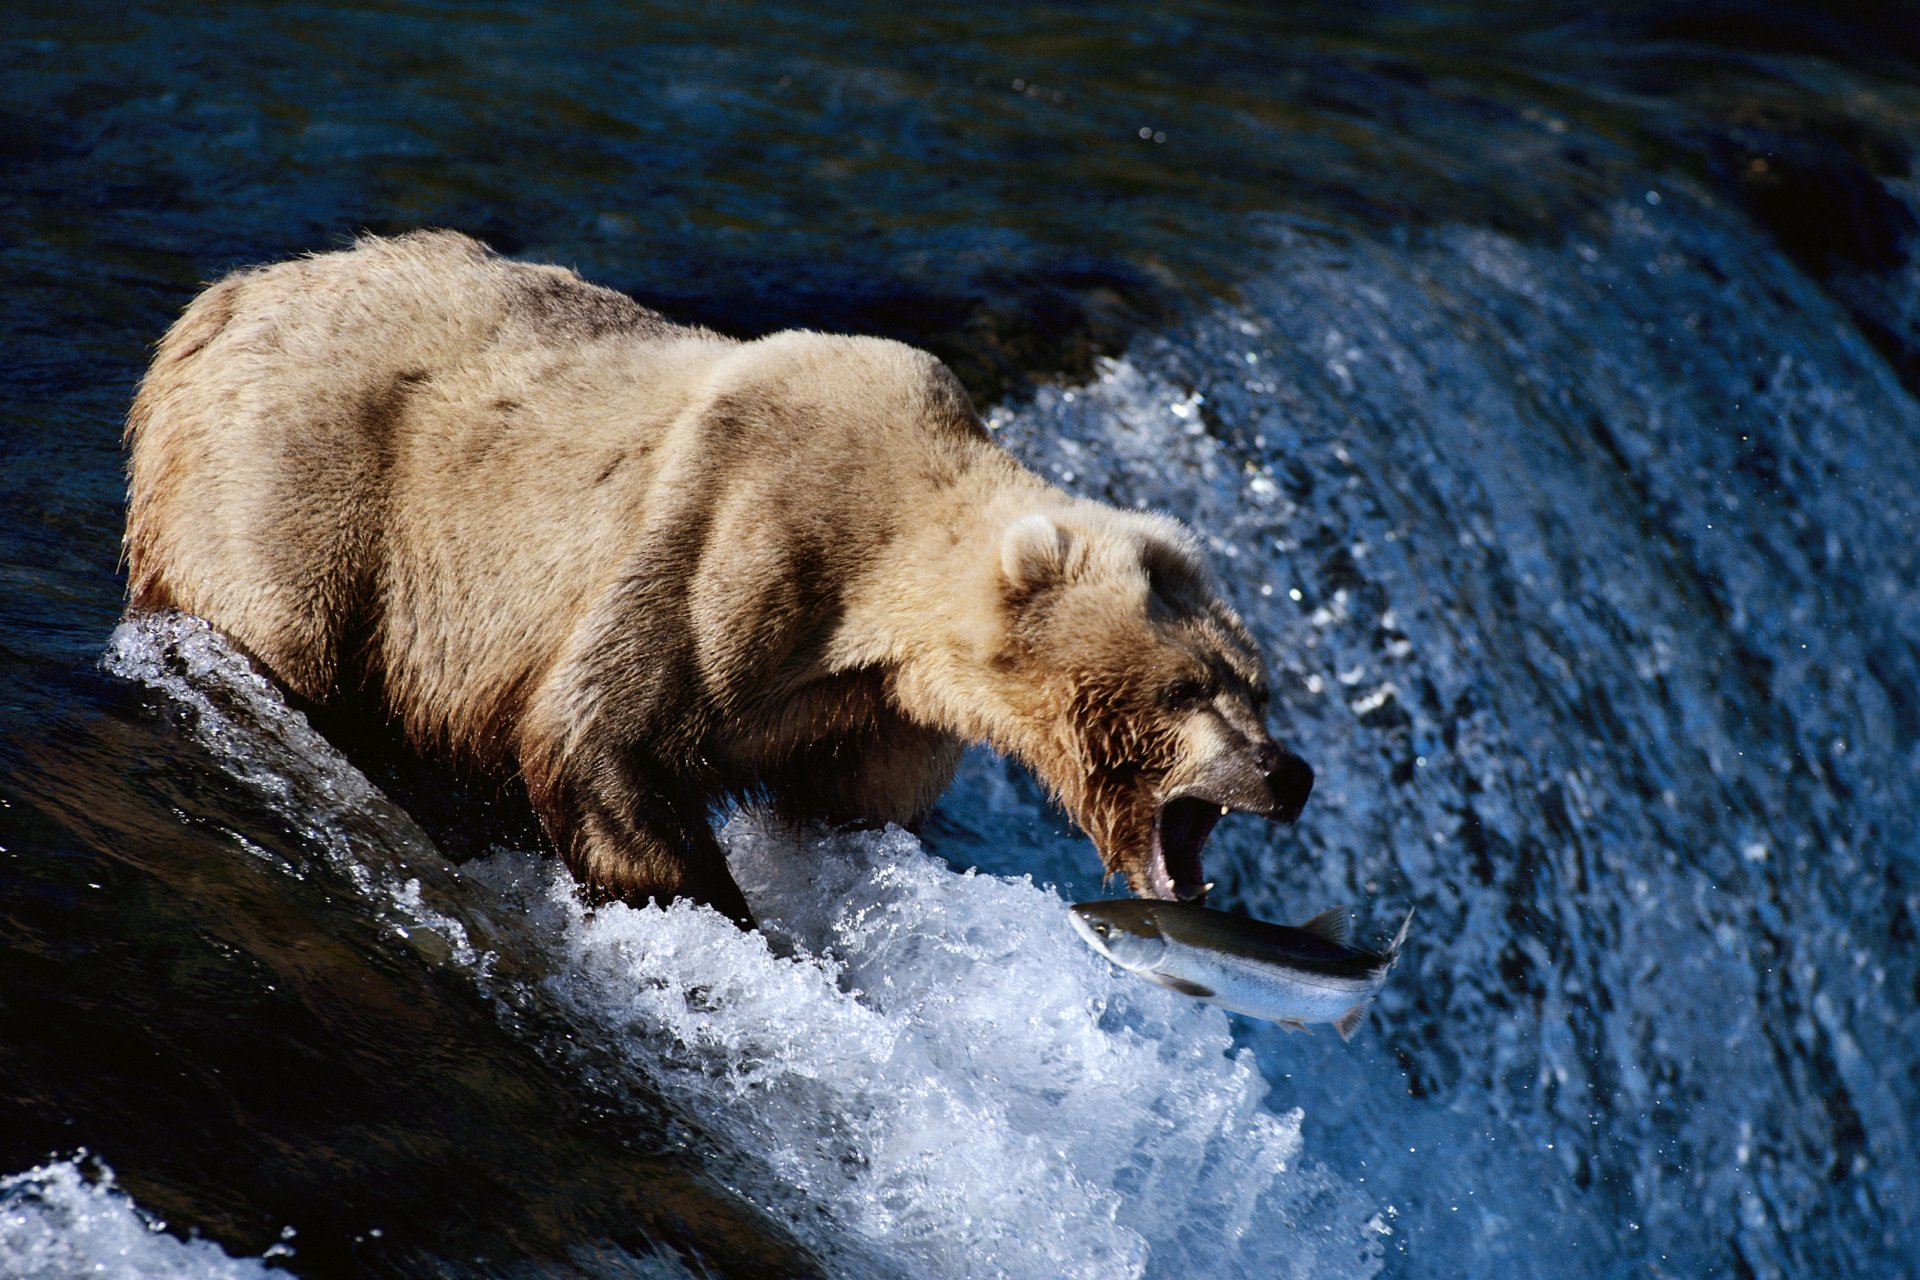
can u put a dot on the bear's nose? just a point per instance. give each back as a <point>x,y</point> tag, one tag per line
<point>1289,780</point>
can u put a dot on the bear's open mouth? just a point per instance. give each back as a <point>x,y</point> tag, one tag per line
<point>1179,832</point>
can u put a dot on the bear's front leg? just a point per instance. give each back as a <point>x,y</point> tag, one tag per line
<point>633,838</point>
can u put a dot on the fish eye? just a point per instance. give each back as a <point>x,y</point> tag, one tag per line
<point>1102,929</point>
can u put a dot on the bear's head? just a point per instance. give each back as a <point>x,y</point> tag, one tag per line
<point>1136,693</point>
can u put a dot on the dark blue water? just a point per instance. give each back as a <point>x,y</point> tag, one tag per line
<point>1542,379</point>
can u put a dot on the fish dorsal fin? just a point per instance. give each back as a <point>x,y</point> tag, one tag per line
<point>1183,986</point>
<point>1350,1021</point>
<point>1330,924</point>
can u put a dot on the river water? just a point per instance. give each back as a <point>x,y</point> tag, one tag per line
<point>1542,380</point>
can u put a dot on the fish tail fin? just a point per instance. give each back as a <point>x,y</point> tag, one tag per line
<point>1393,948</point>
<point>1349,1022</point>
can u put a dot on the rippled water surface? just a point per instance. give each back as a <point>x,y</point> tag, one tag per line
<point>1542,381</point>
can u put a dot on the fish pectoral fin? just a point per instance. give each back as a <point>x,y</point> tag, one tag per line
<point>1292,1024</point>
<point>1183,986</point>
<point>1350,1021</point>
<point>1330,924</point>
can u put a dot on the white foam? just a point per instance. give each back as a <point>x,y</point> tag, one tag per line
<point>945,1071</point>
<point>914,1064</point>
<point>55,1224</point>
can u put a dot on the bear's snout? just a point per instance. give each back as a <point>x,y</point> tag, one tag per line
<point>1257,777</point>
<point>1289,780</point>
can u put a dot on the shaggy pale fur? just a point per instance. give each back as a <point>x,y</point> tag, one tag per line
<point>649,567</point>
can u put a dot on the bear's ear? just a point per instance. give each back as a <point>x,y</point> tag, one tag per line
<point>1174,574</point>
<point>1033,553</point>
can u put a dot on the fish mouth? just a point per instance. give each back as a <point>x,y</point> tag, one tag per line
<point>1084,927</point>
<point>1180,831</point>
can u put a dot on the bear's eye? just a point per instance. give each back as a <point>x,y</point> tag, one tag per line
<point>1185,695</point>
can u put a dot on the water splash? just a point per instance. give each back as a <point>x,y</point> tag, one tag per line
<point>57,1223</point>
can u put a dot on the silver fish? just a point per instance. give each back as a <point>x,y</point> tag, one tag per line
<point>1285,974</point>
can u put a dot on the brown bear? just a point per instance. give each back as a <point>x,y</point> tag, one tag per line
<point>650,568</point>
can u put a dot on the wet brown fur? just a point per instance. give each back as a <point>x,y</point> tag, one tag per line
<point>648,567</point>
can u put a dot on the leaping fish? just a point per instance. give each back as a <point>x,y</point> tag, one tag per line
<point>1286,974</point>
